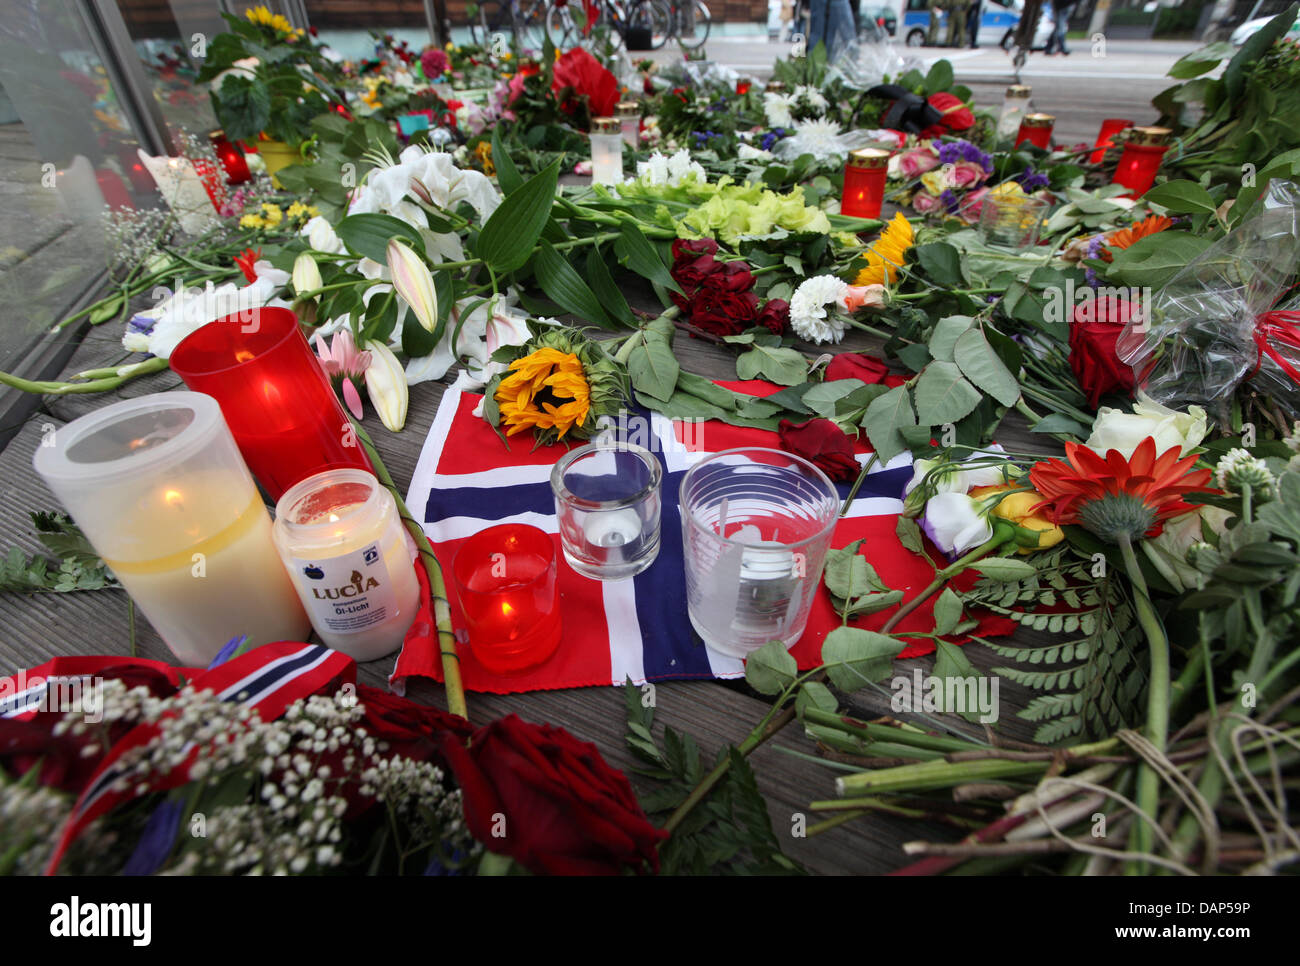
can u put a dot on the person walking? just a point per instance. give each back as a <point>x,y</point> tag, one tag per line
<point>831,24</point>
<point>1061,10</point>
<point>973,23</point>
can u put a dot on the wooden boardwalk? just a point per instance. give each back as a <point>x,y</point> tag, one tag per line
<point>34,629</point>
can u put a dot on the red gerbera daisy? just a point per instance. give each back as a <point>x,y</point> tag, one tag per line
<point>1115,497</point>
<point>246,260</point>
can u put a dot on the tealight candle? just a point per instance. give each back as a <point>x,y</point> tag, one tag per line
<point>1015,105</point>
<point>1037,130</point>
<point>606,151</point>
<point>608,508</point>
<point>629,121</point>
<point>158,487</point>
<point>864,183</point>
<point>505,580</point>
<point>1109,128</point>
<point>1143,152</point>
<point>342,541</point>
<point>276,398</point>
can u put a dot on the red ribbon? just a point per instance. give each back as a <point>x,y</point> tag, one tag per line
<point>1280,327</point>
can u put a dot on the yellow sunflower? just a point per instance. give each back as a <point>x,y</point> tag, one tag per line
<point>885,255</point>
<point>484,152</point>
<point>264,18</point>
<point>546,390</point>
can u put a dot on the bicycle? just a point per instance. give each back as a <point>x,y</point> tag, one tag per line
<point>524,20</point>
<point>692,20</point>
<point>571,23</point>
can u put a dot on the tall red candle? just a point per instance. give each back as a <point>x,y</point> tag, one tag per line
<point>1036,129</point>
<point>1109,128</point>
<point>231,158</point>
<point>1143,152</point>
<point>274,395</point>
<point>506,583</point>
<point>864,183</point>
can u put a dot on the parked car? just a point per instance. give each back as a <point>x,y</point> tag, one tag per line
<point>883,16</point>
<point>998,22</point>
<point>1252,27</point>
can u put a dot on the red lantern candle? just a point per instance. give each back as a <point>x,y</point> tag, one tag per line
<point>1036,129</point>
<point>1109,128</point>
<point>231,158</point>
<point>864,183</point>
<point>274,395</point>
<point>506,582</point>
<point>1143,152</point>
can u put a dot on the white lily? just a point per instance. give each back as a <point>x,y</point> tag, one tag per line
<point>386,386</point>
<point>306,274</point>
<point>413,282</point>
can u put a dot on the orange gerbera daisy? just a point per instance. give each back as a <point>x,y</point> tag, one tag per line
<point>547,390</point>
<point>1115,497</point>
<point>885,255</point>
<point>1124,237</point>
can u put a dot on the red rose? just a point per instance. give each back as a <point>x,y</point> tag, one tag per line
<point>565,811</point>
<point>688,249</point>
<point>823,444</point>
<point>689,275</point>
<point>775,316</point>
<point>729,277</point>
<point>956,115</point>
<point>411,730</point>
<point>1094,332</point>
<point>723,313</point>
<point>858,365</point>
<point>583,74</point>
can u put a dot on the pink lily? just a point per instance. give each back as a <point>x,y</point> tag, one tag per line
<point>345,366</point>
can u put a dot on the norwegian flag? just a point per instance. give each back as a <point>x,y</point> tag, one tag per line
<point>467,480</point>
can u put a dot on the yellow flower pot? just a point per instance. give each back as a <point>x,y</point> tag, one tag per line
<point>277,155</point>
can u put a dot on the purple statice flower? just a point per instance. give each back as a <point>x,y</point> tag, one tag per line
<point>950,152</point>
<point>156,840</point>
<point>1030,180</point>
<point>950,202</point>
<point>1093,251</point>
<point>704,137</point>
<point>771,137</point>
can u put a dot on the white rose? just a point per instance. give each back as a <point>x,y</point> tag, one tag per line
<point>1168,551</point>
<point>1118,430</point>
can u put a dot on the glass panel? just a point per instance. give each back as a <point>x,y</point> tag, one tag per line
<point>346,25</point>
<point>167,34</point>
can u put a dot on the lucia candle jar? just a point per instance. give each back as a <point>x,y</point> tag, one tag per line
<point>343,543</point>
<point>1015,105</point>
<point>158,487</point>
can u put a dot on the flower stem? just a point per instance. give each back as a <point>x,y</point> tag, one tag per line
<point>1148,786</point>
<point>51,388</point>
<point>942,577</point>
<point>437,586</point>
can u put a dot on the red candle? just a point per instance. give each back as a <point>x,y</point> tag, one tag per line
<point>231,158</point>
<point>1036,129</point>
<point>1109,128</point>
<point>1143,152</point>
<point>113,188</point>
<point>864,183</point>
<point>505,580</point>
<point>274,395</point>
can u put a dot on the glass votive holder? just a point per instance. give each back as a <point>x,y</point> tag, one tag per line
<point>159,489</point>
<point>1013,221</point>
<point>506,583</point>
<point>274,395</point>
<point>608,505</point>
<point>756,525</point>
<point>341,539</point>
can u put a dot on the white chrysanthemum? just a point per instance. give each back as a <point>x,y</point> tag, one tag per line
<point>778,109</point>
<point>818,137</point>
<point>811,96</point>
<point>680,167</point>
<point>808,315</point>
<point>670,171</point>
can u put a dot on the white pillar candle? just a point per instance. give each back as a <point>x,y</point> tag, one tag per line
<point>606,151</point>
<point>159,488</point>
<point>343,543</point>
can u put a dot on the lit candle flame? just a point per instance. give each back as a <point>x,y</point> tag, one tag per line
<point>506,609</point>
<point>172,498</point>
<point>243,355</point>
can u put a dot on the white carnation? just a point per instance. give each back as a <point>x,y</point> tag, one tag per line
<point>808,315</point>
<point>778,109</point>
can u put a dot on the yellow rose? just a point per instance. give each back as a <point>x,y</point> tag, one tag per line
<point>1018,507</point>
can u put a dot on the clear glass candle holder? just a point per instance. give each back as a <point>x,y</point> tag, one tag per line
<point>608,504</point>
<point>1012,222</point>
<point>756,525</point>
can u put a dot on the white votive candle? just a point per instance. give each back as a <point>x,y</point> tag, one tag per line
<point>606,151</point>
<point>342,541</point>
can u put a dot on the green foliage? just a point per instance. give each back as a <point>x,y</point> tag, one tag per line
<point>1092,678</point>
<point>730,831</point>
<point>77,566</point>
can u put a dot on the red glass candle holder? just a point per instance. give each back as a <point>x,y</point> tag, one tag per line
<point>275,396</point>
<point>506,582</point>
<point>864,183</point>
<point>231,158</point>
<point>1143,152</point>
<point>1037,130</point>
<point>1109,128</point>
<point>213,183</point>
